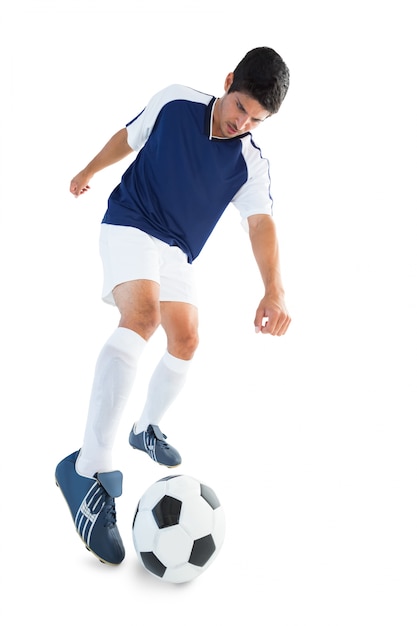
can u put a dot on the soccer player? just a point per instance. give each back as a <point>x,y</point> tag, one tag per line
<point>196,155</point>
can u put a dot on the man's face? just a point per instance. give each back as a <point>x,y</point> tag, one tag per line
<point>236,113</point>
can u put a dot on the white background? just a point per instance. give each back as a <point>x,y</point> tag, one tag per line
<point>309,440</point>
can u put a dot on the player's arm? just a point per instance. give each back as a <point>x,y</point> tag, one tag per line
<point>115,150</point>
<point>271,315</point>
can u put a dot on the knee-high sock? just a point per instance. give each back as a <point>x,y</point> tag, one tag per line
<point>113,380</point>
<point>166,382</point>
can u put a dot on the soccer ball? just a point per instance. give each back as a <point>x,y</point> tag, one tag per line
<point>178,528</point>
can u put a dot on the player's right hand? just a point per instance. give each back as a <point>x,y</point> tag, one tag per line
<point>79,184</point>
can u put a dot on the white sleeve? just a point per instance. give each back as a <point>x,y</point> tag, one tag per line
<point>254,197</point>
<point>139,129</point>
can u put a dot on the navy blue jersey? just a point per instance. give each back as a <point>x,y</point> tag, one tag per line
<point>183,178</point>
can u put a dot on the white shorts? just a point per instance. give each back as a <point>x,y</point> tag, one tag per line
<point>128,253</point>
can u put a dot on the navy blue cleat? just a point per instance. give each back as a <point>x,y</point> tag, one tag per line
<point>91,502</point>
<point>152,441</point>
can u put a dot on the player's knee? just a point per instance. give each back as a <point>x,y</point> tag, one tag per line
<point>184,346</point>
<point>144,322</point>
<point>191,343</point>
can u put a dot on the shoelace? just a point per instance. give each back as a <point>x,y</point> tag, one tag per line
<point>152,439</point>
<point>109,511</point>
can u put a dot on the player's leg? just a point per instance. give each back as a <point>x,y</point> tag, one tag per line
<point>179,319</point>
<point>86,478</point>
<point>131,283</point>
<point>180,322</point>
<point>138,304</point>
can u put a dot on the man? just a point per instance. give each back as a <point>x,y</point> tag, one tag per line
<point>195,156</point>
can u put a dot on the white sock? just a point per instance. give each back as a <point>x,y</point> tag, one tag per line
<point>167,381</point>
<point>113,380</point>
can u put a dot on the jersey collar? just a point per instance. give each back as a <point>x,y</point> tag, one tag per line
<point>209,124</point>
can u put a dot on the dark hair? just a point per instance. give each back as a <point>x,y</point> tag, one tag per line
<point>262,75</point>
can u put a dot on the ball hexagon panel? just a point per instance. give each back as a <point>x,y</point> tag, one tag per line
<point>144,540</point>
<point>197,517</point>
<point>173,546</point>
<point>182,574</point>
<point>219,527</point>
<point>183,487</point>
<point>152,496</point>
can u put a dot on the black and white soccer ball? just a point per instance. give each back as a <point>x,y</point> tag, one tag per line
<point>178,528</point>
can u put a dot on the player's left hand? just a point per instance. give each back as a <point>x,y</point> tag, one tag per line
<point>272,317</point>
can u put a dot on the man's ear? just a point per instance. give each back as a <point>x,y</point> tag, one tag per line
<point>228,81</point>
